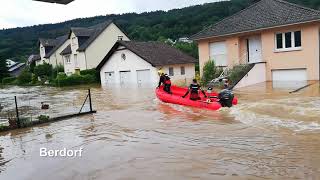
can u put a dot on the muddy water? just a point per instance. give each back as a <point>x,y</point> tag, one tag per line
<point>271,134</point>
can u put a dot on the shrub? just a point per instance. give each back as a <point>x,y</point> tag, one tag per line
<point>58,69</point>
<point>210,72</point>
<point>43,118</point>
<point>25,77</point>
<point>8,80</point>
<point>63,80</point>
<point>92,72</point>
<point>43,71</point>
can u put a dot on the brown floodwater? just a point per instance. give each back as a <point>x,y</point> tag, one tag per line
<point>271,134</point>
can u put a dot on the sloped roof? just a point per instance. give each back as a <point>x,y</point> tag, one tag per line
<point>261,15</point>
<point>57,44</point>
<point>156,53</point>
<point>67,50</point>
<point>33,57</point>
<point>92,32</point>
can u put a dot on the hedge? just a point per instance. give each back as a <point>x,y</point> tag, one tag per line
<point>8,80</point>
<point>74,79</point>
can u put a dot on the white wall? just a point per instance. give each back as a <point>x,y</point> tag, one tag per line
<point>132,63</point>
<point>99,48</point>
<point>56,58</point>
<point>190,73</point>
<point>257,75</point>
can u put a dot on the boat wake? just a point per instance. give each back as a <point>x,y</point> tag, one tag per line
<point>296,114</point>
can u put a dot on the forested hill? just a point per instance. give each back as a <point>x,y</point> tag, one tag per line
<point>19,43</point>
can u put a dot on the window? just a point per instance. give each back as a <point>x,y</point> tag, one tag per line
<point>67,58</point>
<point>218,53</point>
<point>76,61</point>
<point>74,41</point>
<point>288,40</point>
<point>123,56</point>
<point>120,38</point>
<point>183,71</point>
<point>171,72</point>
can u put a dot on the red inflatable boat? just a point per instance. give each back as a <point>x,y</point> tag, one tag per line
<point>211,103</point>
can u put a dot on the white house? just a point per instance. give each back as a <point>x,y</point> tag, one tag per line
<point>88,46</point>
<point>138,63</point>
<point>50,50</point>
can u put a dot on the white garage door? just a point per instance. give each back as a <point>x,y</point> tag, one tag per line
<point>143,77</point>
<point>109,78</point>
<point>293,78</point>
<point>124,77</point>
<point>218,53</point>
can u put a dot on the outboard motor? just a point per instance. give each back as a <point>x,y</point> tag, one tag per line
<point>226,97</point>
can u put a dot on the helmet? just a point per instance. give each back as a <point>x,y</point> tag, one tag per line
<point>160,72</point>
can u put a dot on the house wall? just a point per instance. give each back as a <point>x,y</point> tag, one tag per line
<point>179,79</point>
<point>307,57</point>
<point>98,49</point>
<point>133,63</point>
<point>56,58</point>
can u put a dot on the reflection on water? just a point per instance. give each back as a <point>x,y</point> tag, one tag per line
<point>271,134</point>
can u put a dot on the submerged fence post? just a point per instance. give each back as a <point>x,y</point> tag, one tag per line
<point>90,101</point>
<point>17,111</point>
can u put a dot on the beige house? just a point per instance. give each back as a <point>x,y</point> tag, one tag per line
<point>50,50</point>
<point>88,46</point>
<point>280,38</point>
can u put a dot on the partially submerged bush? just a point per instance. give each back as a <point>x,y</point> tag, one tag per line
<point>43,118</point>
<point>8,80</point>
<point>210,72</point>
<point>92,72</point>
<point>75,79</point>
<point>24,78</point>
<point>43,71</point>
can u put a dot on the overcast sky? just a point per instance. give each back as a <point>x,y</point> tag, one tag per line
<point>20,13</point>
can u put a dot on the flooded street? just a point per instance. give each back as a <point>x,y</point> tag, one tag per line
<point>271,134</point>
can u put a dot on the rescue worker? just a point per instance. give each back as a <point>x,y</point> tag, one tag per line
<point>165,81</point>
<point>167,84</point>
<point>194,91</point>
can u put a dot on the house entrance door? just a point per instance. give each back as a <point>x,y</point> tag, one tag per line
<point>254,49</point>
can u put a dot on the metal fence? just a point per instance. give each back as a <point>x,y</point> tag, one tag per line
<point>23,110</point>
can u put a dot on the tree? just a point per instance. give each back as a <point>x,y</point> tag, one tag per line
<point>3,69</point>
<point>25,77</point>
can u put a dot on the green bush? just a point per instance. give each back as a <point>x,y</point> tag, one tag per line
<point>8,80</point>
<point>92,72</point>
<point>43,118</point>
<point>25,77</point>
<point>210,72</point>
<point>58,69</point>
<point>43,71</point>
<point>74,79</point>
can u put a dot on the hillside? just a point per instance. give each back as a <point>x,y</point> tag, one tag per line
<point>19,43</point>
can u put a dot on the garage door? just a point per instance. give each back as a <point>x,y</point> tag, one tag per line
<point>124,78</point>
<point>143,77</point>
<point>289,78</point>
<point>218,53</point>
<point>109,78</point>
